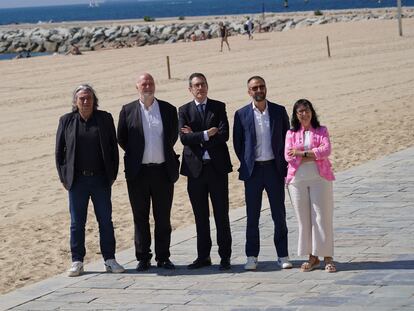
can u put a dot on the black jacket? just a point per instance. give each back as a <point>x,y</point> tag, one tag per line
<point>215,116</point>
<point>131,138</point>
<point>66,145</point>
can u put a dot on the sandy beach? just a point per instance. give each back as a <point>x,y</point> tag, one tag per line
<point>363,93</point>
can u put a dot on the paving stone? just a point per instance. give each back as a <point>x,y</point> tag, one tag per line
<point>374,226</point>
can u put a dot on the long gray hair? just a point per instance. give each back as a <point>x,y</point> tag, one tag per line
<point>84,87</point>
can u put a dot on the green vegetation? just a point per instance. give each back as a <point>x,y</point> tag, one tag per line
<point>318,13</point>
<point>148,19</point>
<point>181,18</point>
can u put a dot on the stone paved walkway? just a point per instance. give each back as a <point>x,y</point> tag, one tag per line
<point>374,232</point>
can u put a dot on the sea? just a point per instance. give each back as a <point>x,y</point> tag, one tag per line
<point>138,9</point>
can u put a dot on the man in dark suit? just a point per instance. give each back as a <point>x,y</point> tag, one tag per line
<point>87,162</point>
<point>259,140</point>
<point>204,131</point>
<point>147,131</point>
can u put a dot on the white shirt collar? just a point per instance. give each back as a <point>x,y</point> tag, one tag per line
<point>203,102</point>
<point>153,105</point>
<point>257,109</point>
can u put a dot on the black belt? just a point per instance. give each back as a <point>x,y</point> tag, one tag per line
<point>268,162</point>
<point>90,173</point>
<point>152,164</point>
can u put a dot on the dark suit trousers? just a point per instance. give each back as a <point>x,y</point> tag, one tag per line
<point>210,182</point>
<point>265,177</point>
<point>151,184</point>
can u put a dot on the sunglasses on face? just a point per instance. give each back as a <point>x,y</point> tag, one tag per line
<point>257,87</point>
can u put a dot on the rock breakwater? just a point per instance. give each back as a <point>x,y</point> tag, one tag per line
<point>89,38</point>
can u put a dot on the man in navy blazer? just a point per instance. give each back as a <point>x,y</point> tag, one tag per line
<point>204,131</point>
<point>147,131</point>
<point>259,140</point>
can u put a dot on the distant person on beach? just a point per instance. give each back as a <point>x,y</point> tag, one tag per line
<point>259,140</point>
<point>87,163</point>
<point>248,27</point>
<point>147,132</point>
<point>204,132</point>
<point>73,50</point>
<point>309,181</point>
<point>23,54</point>
<point>223,35</point>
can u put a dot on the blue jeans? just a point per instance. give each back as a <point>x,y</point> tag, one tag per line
<point>98,189</point>
<point>265,177</point>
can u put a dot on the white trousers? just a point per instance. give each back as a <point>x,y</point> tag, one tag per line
<point>312,199</point>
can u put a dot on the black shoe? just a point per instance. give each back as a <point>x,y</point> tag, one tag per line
<point>199,263</point>
<point>144,265</point>
<point>225,264</point>
<point>166,264</point>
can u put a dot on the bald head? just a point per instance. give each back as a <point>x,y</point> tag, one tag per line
<point>146,88</point>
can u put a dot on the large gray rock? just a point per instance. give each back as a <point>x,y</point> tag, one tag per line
<point>152,40</point>
<point>181,32</point>
<point>169,30</point>
<point>125,31</point>
<point>56,38</point>
<point>50,46</point>
<point>44,33</point>
<point>111,31</point>
<point>141,41</point>
<point>289,25</point>
<point>37,39</point>
<point>304,23</point>
<point>173,39</point>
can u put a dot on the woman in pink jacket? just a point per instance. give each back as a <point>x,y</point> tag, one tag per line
<point>309,180</point>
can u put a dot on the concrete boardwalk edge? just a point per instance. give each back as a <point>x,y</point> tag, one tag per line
<point>374,250</point>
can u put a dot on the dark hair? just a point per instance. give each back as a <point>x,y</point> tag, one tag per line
<point>295,121</point>
<point>256,78</point>
<point>196,75</point>
<point>84,87</point>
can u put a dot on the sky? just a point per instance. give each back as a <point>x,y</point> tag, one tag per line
<point>27,3</point>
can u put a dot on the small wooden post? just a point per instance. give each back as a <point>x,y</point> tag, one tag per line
<point>399,17</point>
<point>327,45</point>
<point>168,67</point>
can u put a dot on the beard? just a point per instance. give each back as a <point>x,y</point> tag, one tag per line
<point>146,95</point>
<point>259,97</point>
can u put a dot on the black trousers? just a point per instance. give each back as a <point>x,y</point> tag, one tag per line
<point>151,185</point>
<point>216,185</point>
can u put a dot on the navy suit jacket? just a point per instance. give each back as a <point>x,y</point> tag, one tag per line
<point>215,116</point>
<point>66,144</point>
<point>244,138</point>
<point>131,138</point>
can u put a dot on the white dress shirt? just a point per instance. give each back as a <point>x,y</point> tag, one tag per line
<point>263,151</point>
<point>153,133</point>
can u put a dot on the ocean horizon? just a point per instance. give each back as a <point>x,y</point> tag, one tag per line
<point>138,9</point>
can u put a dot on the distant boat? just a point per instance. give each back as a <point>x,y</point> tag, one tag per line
<point>93,4</point>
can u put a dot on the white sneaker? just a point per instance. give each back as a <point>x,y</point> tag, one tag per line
<point>76,269</point>
<point>251,263</point>
<point>111,265</point>
<point>284,263</point>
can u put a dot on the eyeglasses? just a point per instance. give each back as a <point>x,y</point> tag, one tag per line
<point>257,87</point>
<point>303,111</point>
<point>198,85</point>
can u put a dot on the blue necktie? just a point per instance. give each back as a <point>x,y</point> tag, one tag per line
<point>201,109</point>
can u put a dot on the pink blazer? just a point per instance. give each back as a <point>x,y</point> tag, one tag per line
<point>320,145</point>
